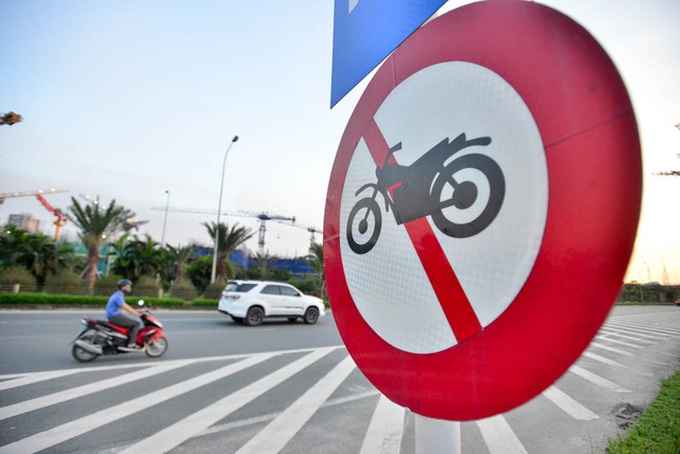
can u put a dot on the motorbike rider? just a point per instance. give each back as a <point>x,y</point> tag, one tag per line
<point>114,313</point>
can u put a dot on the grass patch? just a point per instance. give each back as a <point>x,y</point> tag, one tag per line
<point>658,430</point>
<point>44,299</point>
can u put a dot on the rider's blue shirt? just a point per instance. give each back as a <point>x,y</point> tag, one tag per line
<point>114,304</point>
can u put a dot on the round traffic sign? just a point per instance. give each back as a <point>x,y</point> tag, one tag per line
<point>482,209</point>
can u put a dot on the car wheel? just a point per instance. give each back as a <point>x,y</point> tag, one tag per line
<point>237,319</point>
<point>311,315</point>
<point>254,316</point>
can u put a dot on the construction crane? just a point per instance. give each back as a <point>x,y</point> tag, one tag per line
<point>61,218</point>
<point>263,217</point>
<point>312,230</point>
<point>8,195</point>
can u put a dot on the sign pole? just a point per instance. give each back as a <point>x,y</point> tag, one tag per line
<point>437,435</point>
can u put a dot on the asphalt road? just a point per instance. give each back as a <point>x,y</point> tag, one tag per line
<point>288,388</point>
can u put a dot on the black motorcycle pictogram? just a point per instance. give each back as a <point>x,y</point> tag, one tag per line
<point>427,188</point>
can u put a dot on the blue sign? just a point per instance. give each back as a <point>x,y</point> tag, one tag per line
<point>366,31</point>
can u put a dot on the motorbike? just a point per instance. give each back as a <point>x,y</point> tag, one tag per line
<point>101,337</point>
<point>429,187</point>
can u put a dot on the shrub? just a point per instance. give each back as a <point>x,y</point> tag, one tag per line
<point>185,290</point>
<point>213,291</point>
<point>21,276</point>
<point>64,283</point>
<point>202,302</point>
<point>146,286</point>
<point>107,285</point>
<point>309,285</point>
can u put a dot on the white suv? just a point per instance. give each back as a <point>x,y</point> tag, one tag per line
<point>252,301</point>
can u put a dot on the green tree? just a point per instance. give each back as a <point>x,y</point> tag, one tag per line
<point>148,257</point>
<point>12,245</point>
<point>263,261</point>
<point>315,260</point>
<point>67,258</point>
<point>179,257</point>
<point>229,240</point>
<point>34,251</point>
<point>199,273</point>
<point>96,223</point>
<point>42,257</point>
<point>123,263</point>
<point>135,257</point>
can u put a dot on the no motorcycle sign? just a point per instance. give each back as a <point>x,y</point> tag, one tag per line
<point>482,209</point>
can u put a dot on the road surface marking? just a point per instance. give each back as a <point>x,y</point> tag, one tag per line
<point>385,430</point>
<point>499,436</point>
<point>24,380</point>
<point>611,349</point>
<point>569,405</point>
<point>275,435</point>
<point>74,393</point>
<point>596,379</point>
<point>176,434</point>
<point>610,362</point>
<point>59,434</point>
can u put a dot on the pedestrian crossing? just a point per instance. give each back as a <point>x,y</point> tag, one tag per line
<point>283,401</point>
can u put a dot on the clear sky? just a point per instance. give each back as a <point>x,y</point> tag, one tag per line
<point>126,100</point>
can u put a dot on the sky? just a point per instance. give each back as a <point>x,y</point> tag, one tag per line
<point>128,100</point>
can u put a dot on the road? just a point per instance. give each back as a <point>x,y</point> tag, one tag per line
<point>292,388</point>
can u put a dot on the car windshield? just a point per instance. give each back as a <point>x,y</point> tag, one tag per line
<point>240,288</point>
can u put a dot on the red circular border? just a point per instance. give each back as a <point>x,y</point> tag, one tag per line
<point>589,133</point>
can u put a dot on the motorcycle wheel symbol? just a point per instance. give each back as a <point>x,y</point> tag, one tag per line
<point>371,218</point>
<point>465,194</point>
<point>364,222</point>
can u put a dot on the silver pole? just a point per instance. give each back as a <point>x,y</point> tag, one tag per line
<point>165,219</point>
<point>219,208</point>
<point>436,435</point>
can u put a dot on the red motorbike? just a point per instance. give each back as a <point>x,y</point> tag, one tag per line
<point>101,337</point>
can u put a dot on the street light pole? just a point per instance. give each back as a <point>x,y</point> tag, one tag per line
<point>165,219</point>
<point>219,208</point>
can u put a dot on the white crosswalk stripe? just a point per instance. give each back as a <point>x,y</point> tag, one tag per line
<point>278,432</point>
<point>499,436</point>
<point>607,361</point>
<point>385,430</point>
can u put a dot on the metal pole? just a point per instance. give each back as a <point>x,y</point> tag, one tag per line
<point>165,219</point>
<point>436,435</point>
<point>219,208</point>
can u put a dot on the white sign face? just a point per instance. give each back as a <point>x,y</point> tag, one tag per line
<point>428,111</point>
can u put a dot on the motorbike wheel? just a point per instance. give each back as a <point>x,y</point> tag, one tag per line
<point>366,242</point>
<point>461,196</point>
<point>156,347</point>
<point>82,355</point>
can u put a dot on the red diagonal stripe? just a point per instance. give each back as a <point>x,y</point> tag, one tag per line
<point>452,298</point>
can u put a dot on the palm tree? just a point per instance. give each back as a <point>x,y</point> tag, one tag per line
<point>315,260</point>
<point>34,251</point>
<point>148,257</point>
<point>95,224</point>
<point>263,261</point>
<point>123,264</point>
<point>229,240</point>
<point>179,256</point>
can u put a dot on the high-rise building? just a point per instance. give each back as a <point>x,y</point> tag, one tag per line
<point>24,221</point>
